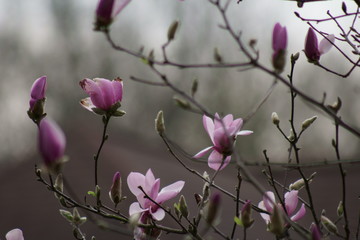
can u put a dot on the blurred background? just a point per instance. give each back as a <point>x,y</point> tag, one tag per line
<point>55,38</point>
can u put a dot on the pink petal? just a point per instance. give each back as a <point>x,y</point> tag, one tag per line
<point>326,44</point>
<point>217,121</point>
<point>265,216</point>
<point>215,160</point>
<point>96,95</point>
<point>209,126</point>
<point>170,191</point>
<point>222,143</point>
<point>119,5</point>
<point>135,208</point>
<point>244,133</point>
<point>237,124</point>
<point>301,213</point>
<point>15,234</point>
<point>87,104</point>
<point>269,200</point>
<point>149,180</point>
<point>134,180</point>
<point>117,85</point>
<point>202,152</point>
<point>107,92</point>
<point>228,120</point>
<point>159,214</point>
<point>291,201</point>
<point>155,189</point>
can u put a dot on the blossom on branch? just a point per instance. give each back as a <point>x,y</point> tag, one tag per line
<point>107,10</point>
<point>37,99</point>
<point>52,143</point>
<point>290,201</point>
<point>312,50</point>
<point>151,187</point>
<point>15,234</point>
<point>279,43</point>
<point>222,133</point>
<point>105,95</point>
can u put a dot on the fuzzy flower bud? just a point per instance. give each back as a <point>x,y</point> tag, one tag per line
<point>183,207</point>
<point>213,208</point>
<point>299,184</point>
<point>159,123</point>
<point>308,122</point>
<point>276,225</point>
<point>51,143</point>
<point>246,215</point>
<point>275,118</point>
<point>115,190</point>
<point>340,209</point>
<point>329,225</point>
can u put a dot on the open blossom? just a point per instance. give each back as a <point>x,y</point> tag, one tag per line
<point>15,234</point>
<point>291,202</point>
<point>222,133</point>
<point>37,91</point>
<point>108,9</point>
<point>104,93</point>
<point>279,43</point>
<point>51,141</point>
<point>151,187</point>
<point>313,50</point>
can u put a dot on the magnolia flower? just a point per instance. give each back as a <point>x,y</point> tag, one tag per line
<point>312,50</point>
<point>291,202</point>
<point>151,187</point>
<point>222,133</point>
<point>279,43</point>
<point>37,91</point>
<point>104,94</point>
<point>315,232</point>
<point>51,141</point>
<point>15,234</point>
<point>107,10</point>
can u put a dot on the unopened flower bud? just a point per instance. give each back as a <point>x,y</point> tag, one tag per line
<point>315,232</point>
<point>15,234</point>
<point>217,56</point>
<point>305,124</point>
<point>213,208</point>
<point>67,215</point>
<point>336,105</point>
<point>194,87</point>
<point>51,144</point>
<point>183,207</point>
<point>181,103</point>
<point>159,123</point>
<point>115,190</point>
<point>198,198</point>
<point>299,184</point>
<point>59,185</point>
<point>172,30</point>
<point>275,118</point>
<point>276,225</point>
<point>246,215</point>
<point>329,225</point>
<point>279,43</point>
<point>37,99</point>
<point>291,137</point>
<point>340,209</point>
<point>295,57</point>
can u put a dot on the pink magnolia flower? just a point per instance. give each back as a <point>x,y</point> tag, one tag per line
<point>222,133</point>
<point>37,92</point>
<point>104,93</point>
<point>51,141</point>
<point>315,232</point>
<point>151,187</point>
<point>15,234</point>
<point>279,43</point>
<point>107,10</point>
<point>312,50</point>
<point>291,202</point>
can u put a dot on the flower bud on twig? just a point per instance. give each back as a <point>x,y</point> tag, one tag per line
<point>172,30</point>
<point>275,119</point>
<point>159,123</point>
<point>305,124</point>
<point>115,190</point>
<point>329,225</point>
